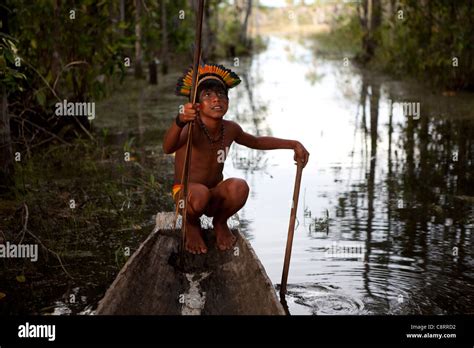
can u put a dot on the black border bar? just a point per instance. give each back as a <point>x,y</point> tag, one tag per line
<point>350,330</point>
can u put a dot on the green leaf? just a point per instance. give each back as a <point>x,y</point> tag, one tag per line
<point>2,295</point>
<point>41,98</point>
<point>122,25</point>
<point>105,132</point>
<point>9,57</point>
<point>19,75</point>
<point>6,36</point>
<point>49,77</point>
<point>20,278</point>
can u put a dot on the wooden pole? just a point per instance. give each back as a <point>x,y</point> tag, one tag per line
<point>192,99</point>
<point>291,231</point>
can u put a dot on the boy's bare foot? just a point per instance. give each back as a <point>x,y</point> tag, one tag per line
<point>194,242</point>
<point>224,238</point>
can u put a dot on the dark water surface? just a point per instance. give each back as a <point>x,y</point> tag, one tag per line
<point>386,208</point>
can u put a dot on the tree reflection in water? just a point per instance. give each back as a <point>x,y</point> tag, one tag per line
<point>404,188</point>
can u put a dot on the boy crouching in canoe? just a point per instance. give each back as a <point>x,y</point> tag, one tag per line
<point>208,192</point>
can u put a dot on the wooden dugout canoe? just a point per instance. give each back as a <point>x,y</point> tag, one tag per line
<point>154,281</point>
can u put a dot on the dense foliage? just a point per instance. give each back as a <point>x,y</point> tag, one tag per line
<point>430,40</point>
<point>52,51</point>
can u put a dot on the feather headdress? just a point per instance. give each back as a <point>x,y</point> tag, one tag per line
<point>207,71</point>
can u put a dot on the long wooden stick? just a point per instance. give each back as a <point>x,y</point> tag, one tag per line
<point>291,231</point>
<point>192,99</point>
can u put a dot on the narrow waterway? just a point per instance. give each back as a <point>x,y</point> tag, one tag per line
<point>386,208</point>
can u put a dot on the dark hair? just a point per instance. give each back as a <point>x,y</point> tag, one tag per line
<point>212,85</point>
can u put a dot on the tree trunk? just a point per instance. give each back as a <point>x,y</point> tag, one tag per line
<point>216,21</point>
<point>363,17</point>
<point>245,23</point>
<point>6,153</point>
<point>208,39</point>
<point>362,12</point>
<point>138,37</point>
<point>164,39</point>
<point>122,16</point>
<point>56,56</point>
<point>372,21</point>
<point>376,15</point>
<point>392,19</point>
<point>122,13</point>
<point>369,15</point>
<point>153,72</point>
<point>392,8</point>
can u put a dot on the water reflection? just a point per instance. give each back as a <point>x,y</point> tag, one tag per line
<point>251,113</point>
<point>398,183</point>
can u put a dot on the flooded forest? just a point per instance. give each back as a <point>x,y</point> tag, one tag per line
<point>380,92</point>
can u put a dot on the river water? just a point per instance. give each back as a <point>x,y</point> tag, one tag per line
<point>386,213</point>
<point>386,209</point>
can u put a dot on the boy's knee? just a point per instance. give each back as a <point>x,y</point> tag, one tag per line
<point>198,199</point>
<point>239,188</point>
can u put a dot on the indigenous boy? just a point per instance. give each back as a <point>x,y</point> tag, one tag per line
<point>208,192</point>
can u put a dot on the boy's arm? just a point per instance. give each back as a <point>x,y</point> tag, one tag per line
<point>272,143</point>
<point>175,137</point>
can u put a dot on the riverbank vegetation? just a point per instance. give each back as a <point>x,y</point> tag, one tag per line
<point>81,188</point>
<point>51,52</point>
<point>427,40</point>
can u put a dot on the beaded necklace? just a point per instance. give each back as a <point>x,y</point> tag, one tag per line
<point>211,140</point>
